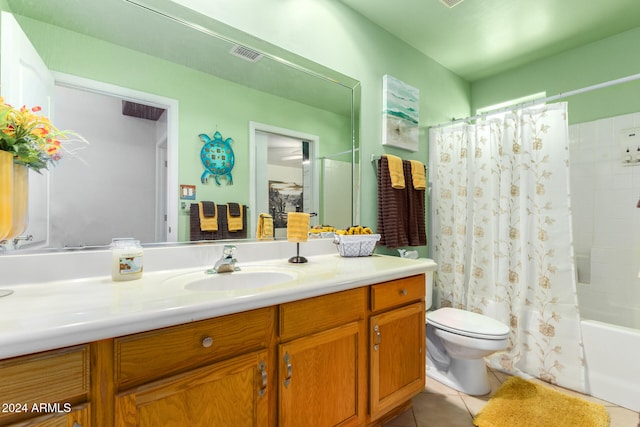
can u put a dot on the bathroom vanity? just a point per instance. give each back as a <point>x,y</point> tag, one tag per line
<point>340,342</point>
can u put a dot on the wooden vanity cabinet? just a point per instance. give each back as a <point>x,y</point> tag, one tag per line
<point>350,358</point>
<point>78,416</point>
<point>396,344</point>
<point>322,361</point>
<point>211,372</point>
<point>46,389</point>
<point>233,392</point>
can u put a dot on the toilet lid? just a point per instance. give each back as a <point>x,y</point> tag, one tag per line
<point>466,323</point>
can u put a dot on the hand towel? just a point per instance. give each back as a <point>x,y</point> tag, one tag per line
<point>401,214</point>
<point>265,227</point>
<point>234,217</point>
<point>297,226</point>
<point>234,209</point>
<point>395,171</point>
<point>209,209</point>
<point>208,223</point>
<point>418,176</point>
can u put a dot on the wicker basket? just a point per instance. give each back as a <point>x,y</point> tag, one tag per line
<point>356,245</point>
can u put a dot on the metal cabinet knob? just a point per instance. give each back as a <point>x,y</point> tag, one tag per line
<point>207,342</point>
<point>403,292</point>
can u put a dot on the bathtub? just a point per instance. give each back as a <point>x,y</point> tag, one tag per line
<point>613,369</point>
<point>611,336</point>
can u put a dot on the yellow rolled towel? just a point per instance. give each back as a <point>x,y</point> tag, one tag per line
<point>234,222</point>
<point>395,171</point>
<point>208,223</point>
<point>418,175</point>
<point>297,226</point>
<point>265,227</point>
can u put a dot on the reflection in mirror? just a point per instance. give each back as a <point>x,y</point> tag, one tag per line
<point>285,173</point>
<point>119,187</point>
<point>127,146</point>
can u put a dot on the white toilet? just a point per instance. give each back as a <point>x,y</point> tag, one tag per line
<point>457,342</point>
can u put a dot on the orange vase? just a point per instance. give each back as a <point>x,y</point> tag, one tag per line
<point>6,193</point>
<point>19,216</point>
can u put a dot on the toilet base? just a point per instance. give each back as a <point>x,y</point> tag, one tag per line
<point>466,375</point>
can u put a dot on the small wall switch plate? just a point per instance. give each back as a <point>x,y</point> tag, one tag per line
<point>187,192</point>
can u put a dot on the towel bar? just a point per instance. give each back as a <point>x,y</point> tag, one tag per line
<point>375,158</point>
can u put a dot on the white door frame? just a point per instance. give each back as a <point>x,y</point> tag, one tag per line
<point>314,157</point>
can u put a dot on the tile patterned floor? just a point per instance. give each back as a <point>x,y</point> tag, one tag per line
<point>441,406</point>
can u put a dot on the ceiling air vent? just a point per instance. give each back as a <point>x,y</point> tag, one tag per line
<point>245,53</point>
<point>141,111</point>
<point>451,3</point>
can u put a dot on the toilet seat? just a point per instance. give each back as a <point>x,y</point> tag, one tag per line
<point>468,324</point>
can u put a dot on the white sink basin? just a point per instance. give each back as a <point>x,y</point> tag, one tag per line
<point>237,280</point>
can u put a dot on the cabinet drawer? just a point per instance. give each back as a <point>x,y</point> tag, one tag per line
<point>156,354</point>
<point>58,376</point>
<point>320,313</point>
<point>397,292</point>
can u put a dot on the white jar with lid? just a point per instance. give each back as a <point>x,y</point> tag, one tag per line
<point>127,259</point>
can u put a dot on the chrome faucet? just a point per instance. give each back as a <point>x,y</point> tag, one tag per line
<point>227,263</point>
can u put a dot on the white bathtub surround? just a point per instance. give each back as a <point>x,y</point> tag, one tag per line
<point>72,309</point>
<point>611,357</point>
<point>604,196</point>
<point>502,236</point>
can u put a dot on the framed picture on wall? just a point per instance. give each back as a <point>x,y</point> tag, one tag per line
<point>400,103</point>
<point>284,197</point>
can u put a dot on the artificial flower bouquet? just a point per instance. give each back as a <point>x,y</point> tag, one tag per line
<point>30,138</point>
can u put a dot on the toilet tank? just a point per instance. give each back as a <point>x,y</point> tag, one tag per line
<point>428,287</point>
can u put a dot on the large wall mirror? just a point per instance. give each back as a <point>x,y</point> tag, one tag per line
<point>142,80</point>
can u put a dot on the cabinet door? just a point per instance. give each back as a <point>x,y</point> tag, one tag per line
<point>397,349</point>
<point>78,416</point>
<point>229,393</point>
<point>320,378</point>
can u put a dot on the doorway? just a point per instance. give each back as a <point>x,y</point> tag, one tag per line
<point>284,174</point>
<point>123,180</point>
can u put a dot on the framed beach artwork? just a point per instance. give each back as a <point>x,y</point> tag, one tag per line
<point>400,114</point>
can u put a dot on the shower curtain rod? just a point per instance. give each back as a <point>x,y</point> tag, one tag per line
<point>544,100</point>
<point>342,153</point>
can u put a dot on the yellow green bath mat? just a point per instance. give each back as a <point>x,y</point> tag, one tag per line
<point>522,403</point>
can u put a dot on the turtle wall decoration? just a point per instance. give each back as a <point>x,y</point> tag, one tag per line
<point>217,158</point>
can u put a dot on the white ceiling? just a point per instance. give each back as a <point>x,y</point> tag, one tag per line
<point>479,38</point>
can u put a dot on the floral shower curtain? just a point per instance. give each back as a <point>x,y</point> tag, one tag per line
<point>502,236</point>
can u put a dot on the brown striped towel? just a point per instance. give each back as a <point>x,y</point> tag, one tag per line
<point>401,212</point>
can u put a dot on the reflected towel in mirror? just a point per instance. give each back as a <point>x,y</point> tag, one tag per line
<point>208,216</point>
<point>265,227</point>
<point>234,217</point>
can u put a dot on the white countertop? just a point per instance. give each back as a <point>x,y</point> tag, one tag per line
<point>48,315</point>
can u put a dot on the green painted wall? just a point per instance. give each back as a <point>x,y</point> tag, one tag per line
<point>206,104</point>
<point>611,58</point>
<point>333,35</point>
<point>328,33</point>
